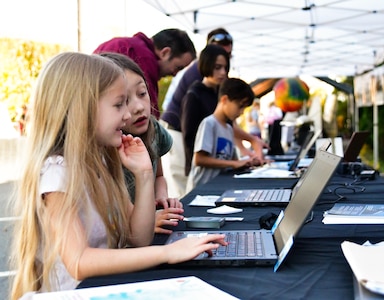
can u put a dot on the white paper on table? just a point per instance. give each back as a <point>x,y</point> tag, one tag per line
<point>224,210</point>
<point>206,200</point>
<point>305,162</point>
<point>186,288</point>
<point>334,219</point>
<point>267,172</point>
<point>367,264</point>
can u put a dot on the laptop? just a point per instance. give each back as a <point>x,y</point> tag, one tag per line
<point>270,247</point>
<point>261,197</point>
<point>292,156</point>
<point>337,145</point>
<point>309,141</point>
<point>354,146</point>
<point>285,169</point>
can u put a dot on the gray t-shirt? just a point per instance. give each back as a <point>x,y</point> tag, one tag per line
<point>215,139</point>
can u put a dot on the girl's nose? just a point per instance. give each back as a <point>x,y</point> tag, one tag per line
<point>137,106</point>
<point>127,115</point>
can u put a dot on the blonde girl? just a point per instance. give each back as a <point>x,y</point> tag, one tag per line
<point>76,218</point>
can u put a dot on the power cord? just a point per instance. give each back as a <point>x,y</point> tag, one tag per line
<point>353,186</point>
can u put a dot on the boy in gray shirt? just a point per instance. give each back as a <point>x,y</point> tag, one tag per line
<point>214,148</point>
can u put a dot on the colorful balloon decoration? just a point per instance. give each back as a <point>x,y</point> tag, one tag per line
<point>290,94</point>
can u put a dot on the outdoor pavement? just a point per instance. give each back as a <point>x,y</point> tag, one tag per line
<point>5,238</point>
<point>10,162</point>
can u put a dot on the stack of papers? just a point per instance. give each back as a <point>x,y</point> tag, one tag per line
<point>367,264</point>
<point>354,214</point>
<point>224,210</point>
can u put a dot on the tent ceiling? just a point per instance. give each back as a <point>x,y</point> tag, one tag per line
<point>282,38</point>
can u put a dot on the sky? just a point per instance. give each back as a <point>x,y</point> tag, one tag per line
<point>55,21</point>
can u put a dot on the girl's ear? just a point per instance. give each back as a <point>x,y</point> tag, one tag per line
<point>165,53</point>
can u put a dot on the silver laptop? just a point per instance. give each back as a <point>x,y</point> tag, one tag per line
<point>268,247</point>
<point>255,197</point>
<point>285,169</point>
<point>261,197</point>
<point>292,156</point>
<point>292,165</point>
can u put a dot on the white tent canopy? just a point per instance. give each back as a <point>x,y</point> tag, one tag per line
<point>282,38</point>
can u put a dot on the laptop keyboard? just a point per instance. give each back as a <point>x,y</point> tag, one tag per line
<point>242,244</point>
<point>269,195</point>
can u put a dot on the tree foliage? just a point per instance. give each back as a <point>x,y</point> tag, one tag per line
<point>20,64</point>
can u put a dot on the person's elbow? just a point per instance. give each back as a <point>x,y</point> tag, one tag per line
<point>200,158</point>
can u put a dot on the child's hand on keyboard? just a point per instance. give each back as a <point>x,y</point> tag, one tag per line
<point>191,247</point>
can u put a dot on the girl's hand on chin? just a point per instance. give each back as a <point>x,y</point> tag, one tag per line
<point>134,154</point>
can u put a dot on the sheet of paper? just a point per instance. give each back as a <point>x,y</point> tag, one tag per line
<point>206,200</point>
<point>267,172</point>
<point>305,162</point>
<point>188,288</point>
<point>354,213</point>
<point>367,264</point>
<point>224,210</point>
<point>329,219</point>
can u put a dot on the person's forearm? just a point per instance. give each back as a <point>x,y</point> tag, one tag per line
<point>243,150</point>
<point>161,191</point>
<point>97,262</point>
<point>215,163</point>
<point>256,143</point>
<point>143,215</point>
<point>241,134</point>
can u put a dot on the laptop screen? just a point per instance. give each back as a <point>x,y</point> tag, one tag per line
<point>304,196</point>
<point>310,139</point>
<point>354,146</point>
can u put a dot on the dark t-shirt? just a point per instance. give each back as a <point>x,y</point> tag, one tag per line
<point>199,102</point>
<point>172,114</point>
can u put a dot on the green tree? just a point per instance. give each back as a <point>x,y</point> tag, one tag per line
<point>163,88</point>
<point>21,62</point>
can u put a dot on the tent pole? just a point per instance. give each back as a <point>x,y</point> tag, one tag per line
<point>79,26</point>
<point>375,123</point>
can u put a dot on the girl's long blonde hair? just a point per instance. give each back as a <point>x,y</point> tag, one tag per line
<point>63,116</point>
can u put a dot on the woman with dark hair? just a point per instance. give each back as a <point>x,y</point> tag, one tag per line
<point>201,97</point>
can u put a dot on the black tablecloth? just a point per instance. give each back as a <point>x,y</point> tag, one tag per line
<point>315,268</point>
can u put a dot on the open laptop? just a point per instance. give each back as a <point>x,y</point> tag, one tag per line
<point>292,156</point>
<point>309,141</point>
<point>268,247</point>
<point>259,196</point>
<point>353,148</point>
<point>337,145</point>
<point>285,169</point>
